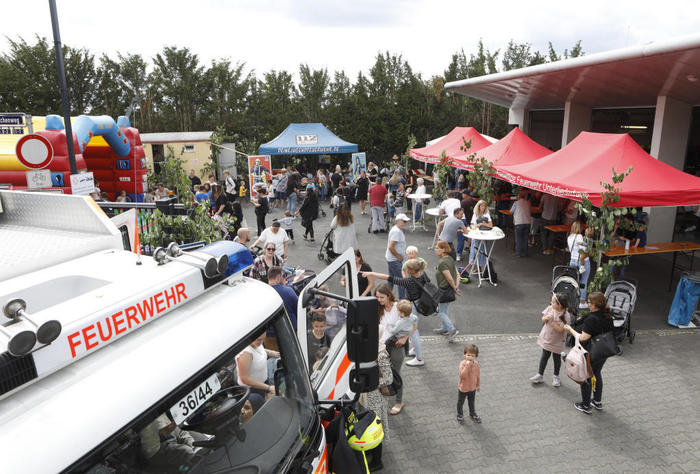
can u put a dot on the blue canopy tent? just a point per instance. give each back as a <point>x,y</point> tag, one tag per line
<point>306,139</point>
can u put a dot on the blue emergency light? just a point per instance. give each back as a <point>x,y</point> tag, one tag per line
<point>239,257</point>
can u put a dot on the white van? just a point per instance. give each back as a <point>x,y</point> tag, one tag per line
<point>141,374</point>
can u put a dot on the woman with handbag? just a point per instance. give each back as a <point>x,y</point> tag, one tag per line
<point>447,281</point>
<point>598,322</point>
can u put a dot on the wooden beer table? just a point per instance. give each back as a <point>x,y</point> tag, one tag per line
<point>684,248</point>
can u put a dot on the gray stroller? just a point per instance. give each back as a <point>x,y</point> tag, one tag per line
<point>622,298</point>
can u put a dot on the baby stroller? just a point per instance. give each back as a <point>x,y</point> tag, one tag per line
<point>565,280</point>
<point>326,253</point>
<point>298,278</point>
<point>622,298</point>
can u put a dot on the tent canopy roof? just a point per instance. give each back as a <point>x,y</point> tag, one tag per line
<point>588,160</point>
<point>450,145</point>
<point>515,148</point>
<point>306,139</point>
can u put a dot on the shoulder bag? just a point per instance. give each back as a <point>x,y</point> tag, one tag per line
<point>427,304</point>
<point>603,346</point>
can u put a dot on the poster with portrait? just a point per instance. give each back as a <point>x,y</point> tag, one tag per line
<point>258,172</point>
<point>359,164</point>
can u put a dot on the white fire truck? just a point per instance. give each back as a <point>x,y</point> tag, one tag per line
<point>112,362</point>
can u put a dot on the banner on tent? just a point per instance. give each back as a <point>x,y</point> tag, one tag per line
<point>258,171</point>
<point>359,164</point>
<point>548,188</point>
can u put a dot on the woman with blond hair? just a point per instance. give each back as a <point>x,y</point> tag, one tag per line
<point>576,244</point>
<point>481,217</point>
<point>343,226</point>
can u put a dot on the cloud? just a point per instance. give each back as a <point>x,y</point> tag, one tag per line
<point>343,14</point>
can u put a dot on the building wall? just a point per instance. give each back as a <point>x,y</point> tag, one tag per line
<point>195,160</point>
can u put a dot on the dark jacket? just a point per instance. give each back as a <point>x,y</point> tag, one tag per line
<point>309,208</point>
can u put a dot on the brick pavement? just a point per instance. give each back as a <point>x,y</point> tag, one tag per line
<point>650,421</point>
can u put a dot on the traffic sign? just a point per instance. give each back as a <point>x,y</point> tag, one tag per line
<point>34,151</point>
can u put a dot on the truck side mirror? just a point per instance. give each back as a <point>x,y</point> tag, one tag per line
<point>362,343</point>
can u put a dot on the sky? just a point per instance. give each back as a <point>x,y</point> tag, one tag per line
<point>346,35</point>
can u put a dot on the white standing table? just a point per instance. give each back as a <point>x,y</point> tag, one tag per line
<point>485,241</point>
<point>416,198</point>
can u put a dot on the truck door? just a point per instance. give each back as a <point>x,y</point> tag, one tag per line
<point>327,355</point>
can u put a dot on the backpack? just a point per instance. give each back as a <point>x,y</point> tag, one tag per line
<point>578,364</point>
<point>427,304</point>
<point>494,275</point>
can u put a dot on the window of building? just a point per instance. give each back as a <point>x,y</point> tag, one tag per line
<point>638,122</point>
<point>188,149</point>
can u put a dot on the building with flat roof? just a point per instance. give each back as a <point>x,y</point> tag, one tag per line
<point>651,92</point>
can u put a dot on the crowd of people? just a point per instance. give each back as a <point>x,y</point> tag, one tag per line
<point>383,196</point>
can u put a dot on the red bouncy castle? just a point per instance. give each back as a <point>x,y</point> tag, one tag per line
<point>111,151</point>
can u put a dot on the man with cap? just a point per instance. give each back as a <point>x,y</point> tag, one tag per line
<point>275,235</point>
<point>396,250</point>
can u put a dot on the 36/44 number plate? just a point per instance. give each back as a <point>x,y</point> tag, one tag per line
<point>195,399</point>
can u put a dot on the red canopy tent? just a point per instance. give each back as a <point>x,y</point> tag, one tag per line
<point>581,165</point>
<point>513,149</point>
<point>450,145</point>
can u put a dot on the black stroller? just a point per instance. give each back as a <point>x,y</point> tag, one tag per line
<point>326,253</point>
<point>565,280</point>
<point>622,298</point>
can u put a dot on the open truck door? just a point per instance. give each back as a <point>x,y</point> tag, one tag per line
<point>327,357</point>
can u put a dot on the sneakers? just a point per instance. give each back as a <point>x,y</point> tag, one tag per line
<point>556,381</point>
<point>690,229</point>
<point>537,379</point>
<point>411,352</point>
<point>441,332</point>
<point>415,362</point>
<point>451,335</point>
<point>583,408</point>
<point>583,305</point>
<point>476,418</point>
<point>597,405</point>
<point>547,252</point>
<point>459,258</point>
<point>460,419</point>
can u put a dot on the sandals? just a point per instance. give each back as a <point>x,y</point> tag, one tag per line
<point>396,409</point>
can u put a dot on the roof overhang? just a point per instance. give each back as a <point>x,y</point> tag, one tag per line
<point>628,77</point>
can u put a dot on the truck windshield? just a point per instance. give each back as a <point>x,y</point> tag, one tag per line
<point>226,417</point>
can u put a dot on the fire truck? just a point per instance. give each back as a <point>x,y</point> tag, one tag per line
<point>115,362</point>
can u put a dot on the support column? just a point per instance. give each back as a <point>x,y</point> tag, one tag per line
<point>577,119</point>
<point>669,143</point>
<point>520,117</point>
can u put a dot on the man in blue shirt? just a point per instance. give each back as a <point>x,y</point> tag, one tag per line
<point>289,297</point>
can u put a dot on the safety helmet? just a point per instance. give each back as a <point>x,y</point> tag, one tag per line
<point>364,433</point>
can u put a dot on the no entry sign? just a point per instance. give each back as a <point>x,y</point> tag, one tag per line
<point>34,151</point>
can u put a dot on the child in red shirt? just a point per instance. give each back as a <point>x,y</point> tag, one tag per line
<point>469,383</point>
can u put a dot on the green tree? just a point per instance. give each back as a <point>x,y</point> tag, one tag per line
<point>178,79</point>
<point>602,222</point>
<point>313,93</point>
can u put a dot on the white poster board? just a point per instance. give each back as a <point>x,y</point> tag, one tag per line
<point>82,183</point>
<point>38,179</point>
